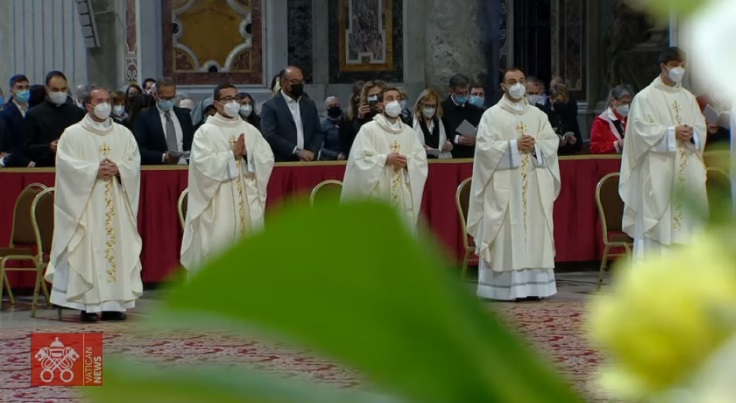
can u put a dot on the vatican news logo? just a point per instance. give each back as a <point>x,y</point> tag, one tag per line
<point>66,359</point>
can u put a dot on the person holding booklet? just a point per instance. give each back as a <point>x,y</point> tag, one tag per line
<point>461,118</point>
<point>718,119</point>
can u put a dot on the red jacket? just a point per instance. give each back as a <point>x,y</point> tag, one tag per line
<point>603,134</point>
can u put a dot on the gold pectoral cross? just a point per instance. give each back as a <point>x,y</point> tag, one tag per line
<point>521,128</point>
<point>112,269</point>
<point>241,192</point>
<point>682,166</point>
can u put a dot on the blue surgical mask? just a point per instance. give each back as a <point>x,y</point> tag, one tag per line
<point>460,100</point>
<point>23,96</point>
<point>403,105</point>
<point>2,100</point>
<point>477,101</point>
<point>166,106</point>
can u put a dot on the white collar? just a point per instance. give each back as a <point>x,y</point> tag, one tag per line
<point>20,107</point>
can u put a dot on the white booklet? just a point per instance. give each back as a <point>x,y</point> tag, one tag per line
<point>467,129</point>
<point>712,116</point>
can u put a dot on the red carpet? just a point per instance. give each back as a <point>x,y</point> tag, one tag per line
<point>554,328</point>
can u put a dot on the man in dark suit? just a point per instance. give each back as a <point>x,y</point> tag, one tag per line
<point>290,121</point>
<point>164,133</point>
<point>45,123</point>
<point>457,109</point>
<point>12,118</point>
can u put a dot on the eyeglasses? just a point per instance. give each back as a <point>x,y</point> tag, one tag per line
<point>228,99</point>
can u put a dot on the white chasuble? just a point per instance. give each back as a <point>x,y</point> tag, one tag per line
<point>655,166</point>
<point>368,176</point>
<point>227,196</point>
<point>511,204</point>
<point>95,258</point>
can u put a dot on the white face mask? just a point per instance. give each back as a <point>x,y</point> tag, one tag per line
<point>676,74</point>
<point>393,109</point>
<point>428,112</point>
<point>118,110</point>
<point>58,98</point>
<point>232,109</point>
<point>517,91</point>
<point>246,110</point>
<point>623,110</point>
<point>534,99</point>
<point>102,110</point>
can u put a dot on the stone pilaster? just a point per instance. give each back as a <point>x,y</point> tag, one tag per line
<point>453,44</point>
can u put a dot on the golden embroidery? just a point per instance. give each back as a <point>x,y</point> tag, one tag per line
<point>396,180</point>
<point>682,166</point>
<point>244,218</point>
<point>521,128</point>
<point>112,269</point>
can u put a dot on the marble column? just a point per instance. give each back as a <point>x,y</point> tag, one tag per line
<point>453,41</point>
<point>40,36</point>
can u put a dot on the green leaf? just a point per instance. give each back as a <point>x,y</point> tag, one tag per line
<point>350,282</point>
<point>664,8</point>
<point>127,382</point>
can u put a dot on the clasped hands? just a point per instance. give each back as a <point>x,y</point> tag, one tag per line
<point>396,160</point>
<point>684,133</point>
<point>108,169</point>
<point>526,144</point>
<point>239,148</point>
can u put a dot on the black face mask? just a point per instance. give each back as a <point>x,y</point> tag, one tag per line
<point>297,90</point>
<point>334,112</point>
<point>560,107</point>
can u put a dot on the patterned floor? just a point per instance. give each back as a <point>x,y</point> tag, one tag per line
<point>553,327</point>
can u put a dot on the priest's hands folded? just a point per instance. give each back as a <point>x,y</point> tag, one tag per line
<point>396,160</point>
<point>684,133</point>
<point>107,169</point>
<point>526,144</point>
<point>239,148</point>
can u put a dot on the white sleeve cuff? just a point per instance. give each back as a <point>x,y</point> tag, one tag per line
<point>539,157</point>
<point>457,139</point>
<point>511,158</point>
<point>615,145</point>
<point>668,144</point>
<point>249,164</point>
<point>163,157</point>
<point>696,140</point>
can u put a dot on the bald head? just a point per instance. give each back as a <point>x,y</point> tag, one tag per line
<point>292,82</point>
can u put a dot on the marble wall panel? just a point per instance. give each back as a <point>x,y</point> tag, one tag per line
<point>300,36</point>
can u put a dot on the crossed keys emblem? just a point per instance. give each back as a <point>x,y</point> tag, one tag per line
<point>57,358</point>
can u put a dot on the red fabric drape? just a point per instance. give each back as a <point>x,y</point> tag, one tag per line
<point>577,229</point>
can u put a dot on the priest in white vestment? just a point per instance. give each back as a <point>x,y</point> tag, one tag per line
<point>229,169</point>
<point>663,155</point>
<point>95,258</point>
<point>516,179</point>
<point>387,162</point>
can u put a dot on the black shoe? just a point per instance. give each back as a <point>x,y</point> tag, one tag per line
<point>88,317</point>
<point>114,316</point>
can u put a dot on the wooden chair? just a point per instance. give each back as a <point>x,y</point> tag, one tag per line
<point>21,238</point>
<point>611,210</point>
<point>182,206</point>
<point>42,217</point>
<point>462,200</point>
<point>325,191</point>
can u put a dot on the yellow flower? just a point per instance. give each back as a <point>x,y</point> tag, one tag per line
<point>664,318</point>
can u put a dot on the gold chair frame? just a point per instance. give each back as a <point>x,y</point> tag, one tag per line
<point>469,249</point>
<point>627,246</point>
<point>37,258</point>
<point>319,187</point>
<point>41,261</point>
<point>183,198</point>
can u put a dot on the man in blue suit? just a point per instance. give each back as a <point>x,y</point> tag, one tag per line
<point>164,133</point>
<point>290,121</point>
<point>12,117</point>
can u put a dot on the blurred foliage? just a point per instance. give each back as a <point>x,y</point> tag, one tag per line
<point>663,9</point>
<point>351,284</point>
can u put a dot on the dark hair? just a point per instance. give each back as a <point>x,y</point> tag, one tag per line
<point>458,81</point>
<point>136,86</point>
<point>38,95</point>
<point>253,119</point>
<point>18,78</point>
<point>148,80</point>
<point>88,93</point>
<point>477,85</point>
<point>671,54</point>
<point>387,89</point>
<point>509,70</point>
<point>532,80</point>
<point>138,103</point>
<point>54,74</point>
<point>165,82</point>
<point>219,88</point>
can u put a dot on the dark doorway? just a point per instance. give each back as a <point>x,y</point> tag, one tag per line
<point>533,38</point>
